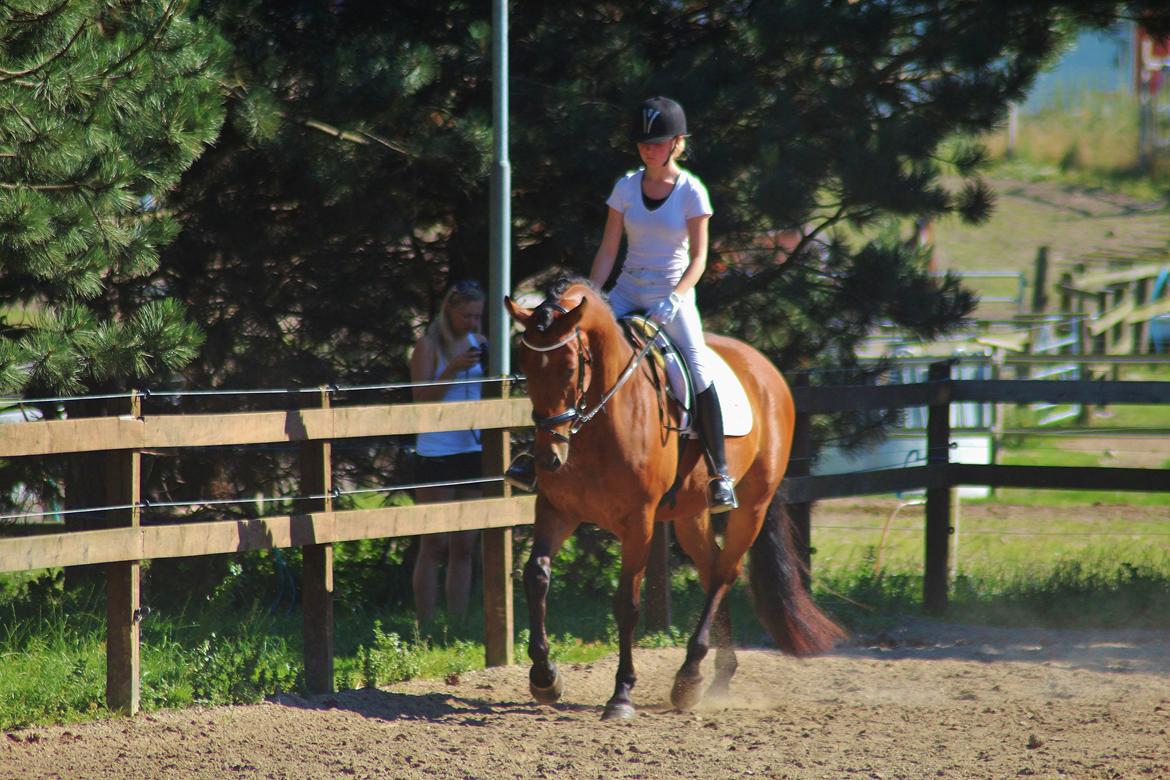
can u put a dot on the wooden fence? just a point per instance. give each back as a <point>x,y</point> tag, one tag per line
<point>1115,307</point>
<point>123,437</point>
<point>939,475</point>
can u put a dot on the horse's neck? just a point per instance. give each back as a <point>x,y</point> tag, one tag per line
<point>613,352</point>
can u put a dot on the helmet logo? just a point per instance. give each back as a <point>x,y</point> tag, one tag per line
<point>648,117</point>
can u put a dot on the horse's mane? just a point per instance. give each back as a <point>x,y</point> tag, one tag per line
<point>546,312</point>
<point>559,286</point>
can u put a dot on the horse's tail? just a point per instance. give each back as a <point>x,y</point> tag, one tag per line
<point>780,599</point>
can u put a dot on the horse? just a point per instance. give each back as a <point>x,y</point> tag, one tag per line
<point>589,391</point>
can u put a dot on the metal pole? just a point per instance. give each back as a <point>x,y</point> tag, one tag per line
<point>500,274</point>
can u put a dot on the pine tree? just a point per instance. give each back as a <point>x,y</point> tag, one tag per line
<point>351,185</point>
<point>103,105</point>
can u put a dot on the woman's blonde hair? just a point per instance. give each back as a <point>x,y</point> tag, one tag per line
<point>439,331</point>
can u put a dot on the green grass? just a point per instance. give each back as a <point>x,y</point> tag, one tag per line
<point>1001,548</point>
<point>1087,138</point>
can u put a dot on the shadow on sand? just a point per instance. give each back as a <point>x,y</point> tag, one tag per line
<point>1098,650</point>
<point>432,707</point>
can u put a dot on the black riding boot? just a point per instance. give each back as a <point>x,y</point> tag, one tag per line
<point>720,490</point>
<point>522,473</point>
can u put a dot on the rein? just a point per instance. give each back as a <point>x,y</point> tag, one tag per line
<point>580,414</point>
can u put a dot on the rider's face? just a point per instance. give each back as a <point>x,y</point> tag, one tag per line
<point>657,154</point>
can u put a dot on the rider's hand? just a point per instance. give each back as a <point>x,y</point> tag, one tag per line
<point>666,310</point>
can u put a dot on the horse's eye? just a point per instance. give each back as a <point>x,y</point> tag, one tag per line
<point>568,372</point>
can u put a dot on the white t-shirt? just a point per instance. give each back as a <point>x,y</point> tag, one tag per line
<point>658,239</point>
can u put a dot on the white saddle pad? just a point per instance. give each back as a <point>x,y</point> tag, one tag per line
<point>737,411</point>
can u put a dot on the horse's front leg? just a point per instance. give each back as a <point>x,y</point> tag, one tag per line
<point>551,531</point>
<point>635,553</point>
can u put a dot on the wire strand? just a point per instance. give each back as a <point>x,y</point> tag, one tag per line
<point>336,493</point>
<point>332,389</point>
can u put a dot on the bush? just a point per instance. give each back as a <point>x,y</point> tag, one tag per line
<point>388,660</point>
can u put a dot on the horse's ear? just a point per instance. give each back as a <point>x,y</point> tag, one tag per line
<point>567,322</point>
<point>517,312</point>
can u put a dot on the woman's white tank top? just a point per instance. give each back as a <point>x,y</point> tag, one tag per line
<point>441,443</point>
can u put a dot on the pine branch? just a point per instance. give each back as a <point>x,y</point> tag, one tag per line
<point>10,75</point>
<point>167,15</point>
<point>22,17</point>
<point>362,137</point>
<point>386,142</point>
<point>7,185</point>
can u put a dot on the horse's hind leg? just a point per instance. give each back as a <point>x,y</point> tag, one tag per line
<point>724,566</point>
<point>725,660</point>
<point>551,531</point>
<point>698,540</point>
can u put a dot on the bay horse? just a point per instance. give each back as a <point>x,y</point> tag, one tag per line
<point>588,390</point>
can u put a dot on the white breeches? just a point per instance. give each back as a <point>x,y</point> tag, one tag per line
<point>638,291</point>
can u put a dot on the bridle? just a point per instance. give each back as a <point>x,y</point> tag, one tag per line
<point>579,414</point>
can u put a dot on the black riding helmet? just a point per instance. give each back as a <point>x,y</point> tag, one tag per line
<point>659,119</point>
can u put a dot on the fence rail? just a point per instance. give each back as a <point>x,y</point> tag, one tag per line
<point>123,437</point>
<point>137,432</point>
<point>939,476</point>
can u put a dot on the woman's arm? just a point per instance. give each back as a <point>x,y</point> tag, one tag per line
<point>422,369</point>
<point>606,255</point>
<point>697,233</point>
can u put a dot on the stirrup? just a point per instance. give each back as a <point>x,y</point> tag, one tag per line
<point>522,473</point>
<point>721,495</point>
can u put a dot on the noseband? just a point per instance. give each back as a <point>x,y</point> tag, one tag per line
<point>579,414</point>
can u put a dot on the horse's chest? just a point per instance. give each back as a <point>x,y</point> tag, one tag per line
<point>604,490</point>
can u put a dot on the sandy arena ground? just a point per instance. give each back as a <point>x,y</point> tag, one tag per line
<point>925,700</point>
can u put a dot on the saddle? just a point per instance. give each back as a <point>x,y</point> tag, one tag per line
<point>680,388</point>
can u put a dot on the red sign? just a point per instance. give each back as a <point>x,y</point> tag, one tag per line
<point>1152,64</point>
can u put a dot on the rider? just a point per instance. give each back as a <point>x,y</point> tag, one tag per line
<point>664,211</point>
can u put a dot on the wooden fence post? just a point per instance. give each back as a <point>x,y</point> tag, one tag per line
<point>1040,281</point>
<point>498,618</point>
<point>938,498</point>
<point>317,574</point>
<point>123,478</point>
<point>799,465</point>
<point>1066,295</point>
<point>1141,330</point>
<point>656,601</point>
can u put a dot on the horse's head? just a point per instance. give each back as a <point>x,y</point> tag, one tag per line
<point>556,361</point>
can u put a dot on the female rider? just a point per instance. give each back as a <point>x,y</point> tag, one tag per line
<point>664,211</point>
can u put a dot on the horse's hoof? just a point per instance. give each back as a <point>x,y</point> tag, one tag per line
<point>618,711</point>
<point>686,693</point>
<point>720,691</point>
<point>546,694</point>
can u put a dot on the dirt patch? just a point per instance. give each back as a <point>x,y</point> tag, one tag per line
<point>926,699</point>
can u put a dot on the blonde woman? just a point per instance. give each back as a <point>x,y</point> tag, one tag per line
<point>451,349</point>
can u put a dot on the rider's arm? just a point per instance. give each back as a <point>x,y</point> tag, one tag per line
<point>697,233</point>
<point>606,255</point>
